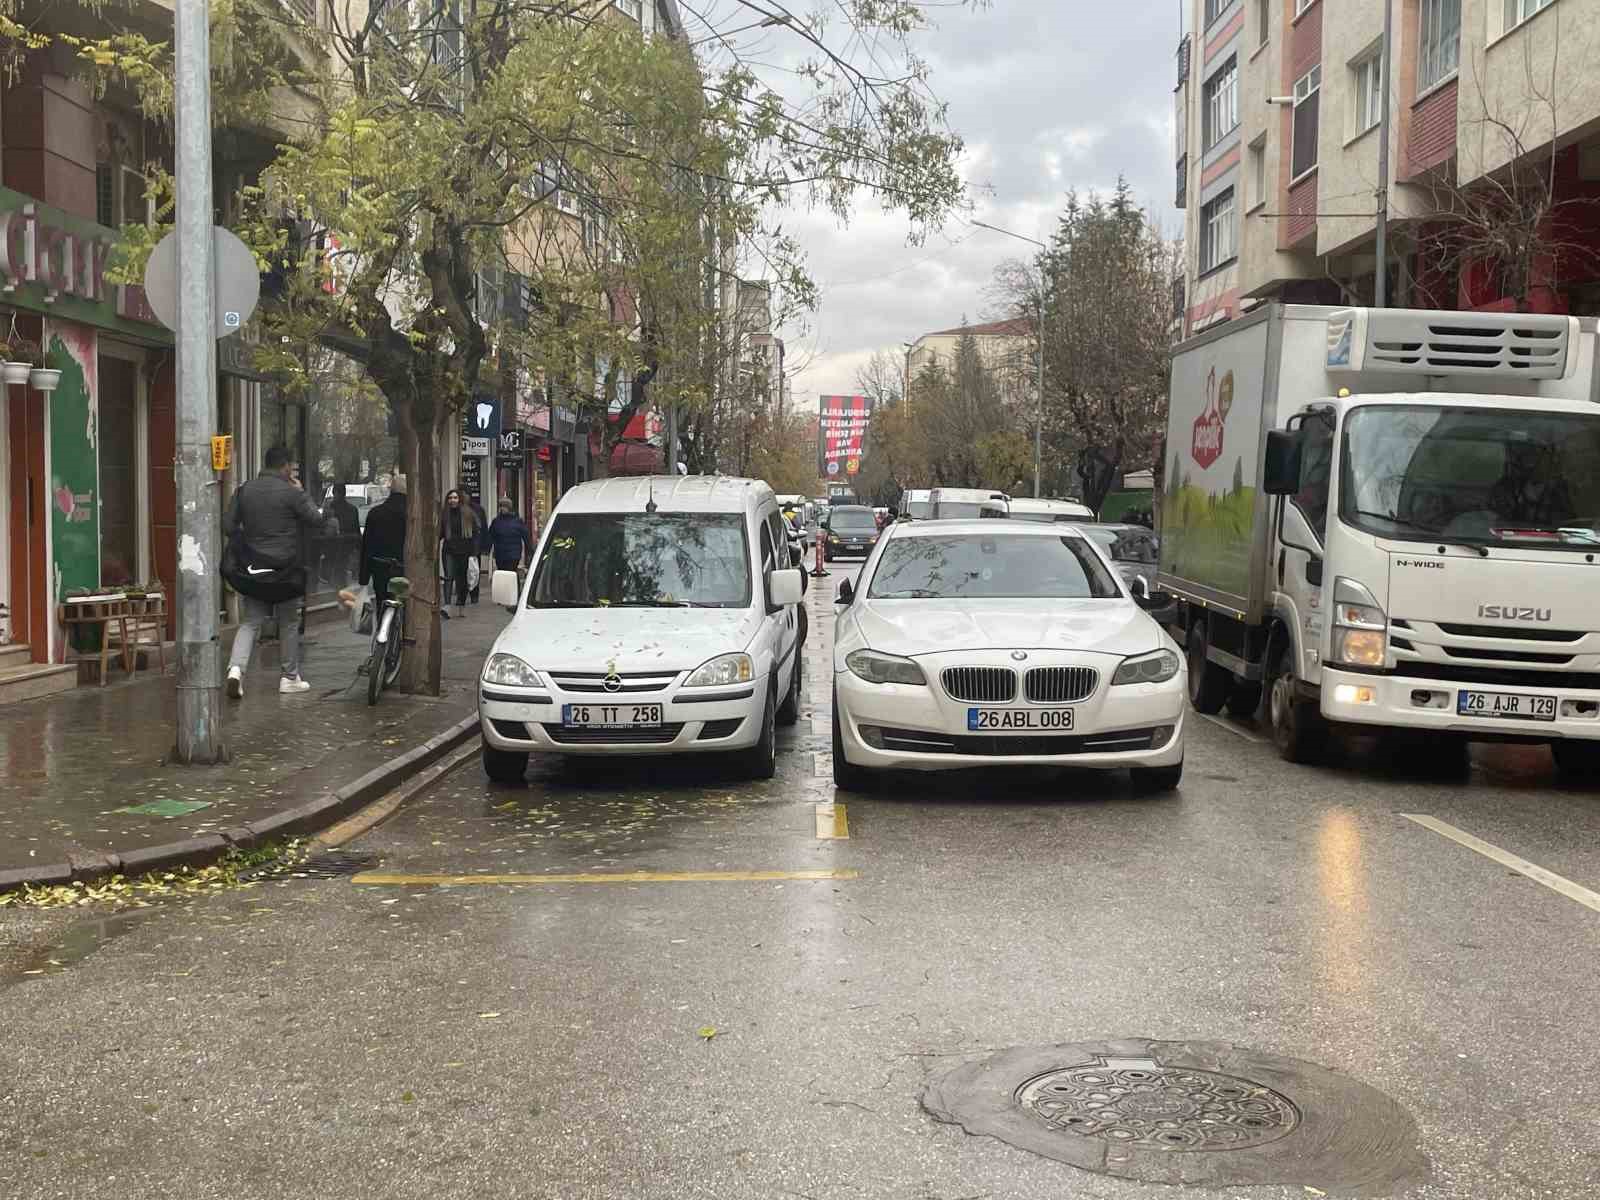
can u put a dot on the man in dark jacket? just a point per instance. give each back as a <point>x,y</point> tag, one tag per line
<point>270,513</point>
<point>509,538</point>
<point>383,542</point>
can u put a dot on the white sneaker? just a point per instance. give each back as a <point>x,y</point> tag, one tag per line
<point>292,683</point>
<point>235,684</point>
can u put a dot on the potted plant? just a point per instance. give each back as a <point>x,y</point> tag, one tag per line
<point>43,378</point>
<point>21,356</point>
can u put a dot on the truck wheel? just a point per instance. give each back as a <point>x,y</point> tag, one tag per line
<point>1578,761</point>
<point>1244,700</point>
<point>1209,684</point>
<point>1298,729</point>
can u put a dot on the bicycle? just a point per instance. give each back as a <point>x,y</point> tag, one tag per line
<point>388,638</point>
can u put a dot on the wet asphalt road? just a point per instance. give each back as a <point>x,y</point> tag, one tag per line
<point>324,1038</point>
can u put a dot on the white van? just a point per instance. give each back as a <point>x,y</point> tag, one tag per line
<point>965,504</point>
<point>1047,511</point>
<point>660,617</point>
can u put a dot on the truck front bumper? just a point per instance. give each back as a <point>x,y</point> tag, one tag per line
<point>1404,702</point>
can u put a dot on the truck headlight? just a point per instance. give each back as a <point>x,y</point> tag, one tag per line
<point>722,671</point>
<point>1147,668</point>
<point>884,668</point>
<point>1360,627</point>
<point>510,671</point>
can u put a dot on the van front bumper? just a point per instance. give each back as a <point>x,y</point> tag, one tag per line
<point>530,721</point>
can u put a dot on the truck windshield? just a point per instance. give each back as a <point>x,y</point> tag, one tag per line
<point>1482,476</point>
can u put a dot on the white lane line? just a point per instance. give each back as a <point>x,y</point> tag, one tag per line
<point>1556,883</point>
<point>1231,728</point>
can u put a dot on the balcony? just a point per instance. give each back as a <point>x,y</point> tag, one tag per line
<point>1183,61</point>
<point>1183,181</point>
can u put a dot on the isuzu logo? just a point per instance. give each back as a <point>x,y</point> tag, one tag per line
<point>1510,612</point>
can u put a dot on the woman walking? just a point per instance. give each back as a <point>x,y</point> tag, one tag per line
<point>459,532</point>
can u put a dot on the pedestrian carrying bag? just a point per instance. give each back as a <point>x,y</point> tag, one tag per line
<point>262,578</point>
<point>361,612</point>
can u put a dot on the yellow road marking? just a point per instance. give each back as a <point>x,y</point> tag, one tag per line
<point>381,878</point>
<point>831,823</point>
<point>1556,883</point>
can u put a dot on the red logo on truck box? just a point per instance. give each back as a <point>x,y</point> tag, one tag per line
<point>1207,445</point>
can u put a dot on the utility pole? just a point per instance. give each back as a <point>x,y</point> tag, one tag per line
<point>1380,287</point>
<point>1038,351</point>
<point>199,735</point>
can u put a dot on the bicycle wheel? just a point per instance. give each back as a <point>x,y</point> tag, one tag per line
<point>397,647</point>
<point>376,665</point>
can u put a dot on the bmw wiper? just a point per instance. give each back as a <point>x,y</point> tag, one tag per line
<point>1432,533</point>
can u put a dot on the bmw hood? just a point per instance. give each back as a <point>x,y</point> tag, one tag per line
<point>913,627</point>
<point>625,639</point>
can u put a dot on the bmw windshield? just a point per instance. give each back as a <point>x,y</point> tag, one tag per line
<point>1475,475</point>
<point>644,560</point>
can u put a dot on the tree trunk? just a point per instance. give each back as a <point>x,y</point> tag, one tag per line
<point>420,454</point>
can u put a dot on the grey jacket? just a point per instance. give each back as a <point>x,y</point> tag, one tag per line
<point>272,511</point>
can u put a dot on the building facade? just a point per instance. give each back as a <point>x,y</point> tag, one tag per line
<point>1006,348</point>
<point>1278,107</point>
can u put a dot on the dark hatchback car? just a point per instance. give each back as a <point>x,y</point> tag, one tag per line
<point>848,529</point>
<point>1135,551</point>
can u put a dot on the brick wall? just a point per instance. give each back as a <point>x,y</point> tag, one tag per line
<point>1431,139</point>
<point>1305,42</point>
<point>1302,210</point>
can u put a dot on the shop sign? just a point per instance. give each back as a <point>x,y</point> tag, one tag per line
<point>54,263</point>
<point>510,448</point>
<point>475,447</point>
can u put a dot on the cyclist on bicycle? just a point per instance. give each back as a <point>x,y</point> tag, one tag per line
<point>383,541</point>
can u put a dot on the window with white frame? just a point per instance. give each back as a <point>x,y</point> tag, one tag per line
<point>1221,103</point>
<point>1518,11</point>
<point>1307,100</point>
<point>1214,9</point>
<point>1217,240</point>
<point>1366,89</point>
<point>1438,42</point>
<point>1256,173</point>
<point>634,8</point>
<point>1263,21</point>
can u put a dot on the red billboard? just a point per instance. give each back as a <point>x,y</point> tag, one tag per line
<point>841,428</point>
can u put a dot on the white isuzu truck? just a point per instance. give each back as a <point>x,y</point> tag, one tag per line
<point>1390,518</point>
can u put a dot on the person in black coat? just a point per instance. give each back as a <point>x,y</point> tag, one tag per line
<point>383,542</point>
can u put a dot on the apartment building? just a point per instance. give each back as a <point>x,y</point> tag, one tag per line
<point>1006,348</point>
<point>1278,107</point>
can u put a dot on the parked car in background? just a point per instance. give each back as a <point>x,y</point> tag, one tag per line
<point>660,617</point>
<point>980,643</point>
<point>1136,554</point>
<point>963,504</point>
<point>1026,508</point>
<point>916,503</point>
<point>848,529</point>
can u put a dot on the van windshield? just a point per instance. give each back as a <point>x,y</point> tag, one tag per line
<point>644,560</point>
<point>1472,474</point>
<point>852,520</point>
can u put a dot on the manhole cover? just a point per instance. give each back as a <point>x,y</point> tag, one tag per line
<point>1139,1102</point>
<point>1204,1113</point>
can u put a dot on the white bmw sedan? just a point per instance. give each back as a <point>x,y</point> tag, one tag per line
<point>970,643</point>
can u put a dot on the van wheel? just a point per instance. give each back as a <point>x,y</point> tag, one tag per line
<point>761,760</point>
<point>846,774</point>
<point>504,766</point>
<point>1298,729</point>
<point>1209,684</point>
<point>789,710</point>
<point>1578,761</point>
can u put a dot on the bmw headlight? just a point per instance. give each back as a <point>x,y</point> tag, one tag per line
<point>884,668</point>
<point>723,671</point>
<point>1147,668</point>
<point>511,671</point>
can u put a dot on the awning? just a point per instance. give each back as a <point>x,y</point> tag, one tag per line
<point>635,458</point>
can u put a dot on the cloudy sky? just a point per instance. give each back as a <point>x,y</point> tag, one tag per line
<point>1048,95</point>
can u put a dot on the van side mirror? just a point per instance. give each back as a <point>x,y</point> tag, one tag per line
<point>786,587</point>
<point>1280,473</point>
<point>1140,588</point>
<point>845,594</point>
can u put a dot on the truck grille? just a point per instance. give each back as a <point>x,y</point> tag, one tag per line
<point>1061,685</point>
<point>981,685</point>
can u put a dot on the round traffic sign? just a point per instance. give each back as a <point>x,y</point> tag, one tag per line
<point>236,290</point>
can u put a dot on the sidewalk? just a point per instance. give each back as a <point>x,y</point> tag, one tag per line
<point>69,761</point>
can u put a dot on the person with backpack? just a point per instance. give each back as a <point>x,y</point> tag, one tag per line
<point>262,563</point>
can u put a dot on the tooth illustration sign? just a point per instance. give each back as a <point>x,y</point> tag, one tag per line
<point>1206,446</point>
<point>485,415</point>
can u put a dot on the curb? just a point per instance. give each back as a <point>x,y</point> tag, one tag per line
<point>303,818</point>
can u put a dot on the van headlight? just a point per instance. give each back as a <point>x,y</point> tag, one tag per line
<point>510,671</point>
<point>884,668</point>
<point>1360,628</point>
<point>723,671</point>
<point>1147,668</point>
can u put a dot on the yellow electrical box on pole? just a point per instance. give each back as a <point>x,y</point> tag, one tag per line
<point>222,452</point>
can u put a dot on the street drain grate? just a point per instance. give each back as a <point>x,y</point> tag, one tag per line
<point>1139,1102</point>
<point>1206,1113</point>
<point>327,864</point>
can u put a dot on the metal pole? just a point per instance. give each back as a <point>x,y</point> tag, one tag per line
<point>1038,377</point>
<point>1380,290</point>
<point>199,735</point>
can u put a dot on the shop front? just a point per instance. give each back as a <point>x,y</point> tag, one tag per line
<point>88,433</point>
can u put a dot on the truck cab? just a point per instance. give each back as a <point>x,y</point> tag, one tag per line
<point>1423,550</point>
